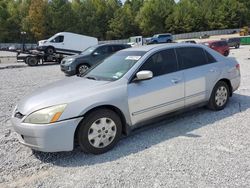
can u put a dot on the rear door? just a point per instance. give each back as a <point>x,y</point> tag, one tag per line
<point>200,74</point>
<point>161,94</point>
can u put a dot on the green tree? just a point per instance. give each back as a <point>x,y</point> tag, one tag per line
<point>123,24</point>
<point>152,16</point>
<point>36,19</point>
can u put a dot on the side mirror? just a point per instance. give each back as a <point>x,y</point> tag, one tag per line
<point>95,54</point>
<point>144,75</point>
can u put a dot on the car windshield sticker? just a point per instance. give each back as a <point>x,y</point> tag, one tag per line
<point>135,58</point>
<point>117,75</point>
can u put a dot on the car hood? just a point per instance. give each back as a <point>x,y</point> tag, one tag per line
<point>60,92</point>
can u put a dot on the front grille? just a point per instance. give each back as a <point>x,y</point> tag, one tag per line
<point>18,115</point>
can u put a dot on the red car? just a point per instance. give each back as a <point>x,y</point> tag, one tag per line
<point>220,46</point>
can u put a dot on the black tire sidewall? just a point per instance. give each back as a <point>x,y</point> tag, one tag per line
<point>48,49</point>
<point>212,103</point>
<point>29,59</point>
<point>77,69</point>
<point>82,134</point>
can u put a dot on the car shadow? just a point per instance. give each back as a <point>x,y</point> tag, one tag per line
<point>179,126</point>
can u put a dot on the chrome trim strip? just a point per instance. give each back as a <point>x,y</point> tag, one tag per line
<point>167,103</point>
<point>157,106</point>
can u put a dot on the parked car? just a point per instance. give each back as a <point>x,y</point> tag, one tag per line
<point>220,46</point>
<point>127,90</point>
<point>160,38</point>
<point>189,41</point>
<point>66,43</point>
<point>205,36</point>
<point>12,48</point>
<point>233,42</point>
<point>79,64</point>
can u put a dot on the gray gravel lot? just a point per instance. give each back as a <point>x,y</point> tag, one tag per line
<point>200,148</point>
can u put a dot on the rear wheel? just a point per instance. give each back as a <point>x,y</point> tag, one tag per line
<point>219,96</point>
<point>31,61</point>
<point>99,132</point>
<point>237,46</point>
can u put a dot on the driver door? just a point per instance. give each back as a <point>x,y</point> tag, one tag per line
<point>101,53</point>
<point>162,94</point>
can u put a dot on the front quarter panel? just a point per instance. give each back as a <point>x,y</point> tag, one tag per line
<point>113,95</point>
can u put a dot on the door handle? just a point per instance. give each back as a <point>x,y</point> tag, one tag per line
<point>175,80</point>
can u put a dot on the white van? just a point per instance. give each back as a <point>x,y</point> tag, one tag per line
<point>66,43</point>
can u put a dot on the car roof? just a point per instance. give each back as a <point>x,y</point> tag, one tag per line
<point>213,41</point>
<point>148,48</point>
<point>110,44</point>
<point>163,34</point>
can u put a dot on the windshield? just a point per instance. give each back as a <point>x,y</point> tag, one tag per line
<point>89,50</point>
<point>115,66</point>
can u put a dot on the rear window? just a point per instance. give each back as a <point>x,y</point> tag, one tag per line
<point>210,58</point>
<point>117,48</point>
<point>220,43</point>
<point>190,57</point>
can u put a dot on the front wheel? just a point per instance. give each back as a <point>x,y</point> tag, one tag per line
<point>81,69</point>
<point>226,53</point>
<point>99,132</point>
<point>50,50</point>
<point>219,96</point>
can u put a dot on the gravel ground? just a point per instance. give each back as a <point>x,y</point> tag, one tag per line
<point>200,148</point>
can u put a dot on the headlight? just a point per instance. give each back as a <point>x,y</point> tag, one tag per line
<point>46,115</point>
<point>68,61</point>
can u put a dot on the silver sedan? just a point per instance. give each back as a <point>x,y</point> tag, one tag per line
<point>125,91</point>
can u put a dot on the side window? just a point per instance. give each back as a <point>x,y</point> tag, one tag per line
<point>162,36</point>
<point>161,63</point>
<point>191,57</point>
<point>117,48</point>
<point>215,44</point>
<point>210,58</point>
<point>104,50</point>
<point>58,39</point>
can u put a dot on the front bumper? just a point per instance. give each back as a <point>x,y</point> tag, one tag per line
<point>41,48</point>
<point>53,137</point>
<point>68,70</point>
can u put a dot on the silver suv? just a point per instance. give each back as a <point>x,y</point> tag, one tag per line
<point>128,89</point>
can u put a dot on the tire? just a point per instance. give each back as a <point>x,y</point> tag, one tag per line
<point>50,50</point>
<point>219,97</point>
<point>226,53</point>
<point>99,131</point>
<point>31,61</point>
<point>237,46</point>
<point>82,68</point>
<point>169,41</point>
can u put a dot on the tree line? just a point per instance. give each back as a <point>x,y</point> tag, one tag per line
<point>112,19</point>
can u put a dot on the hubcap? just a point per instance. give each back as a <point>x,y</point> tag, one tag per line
<point>102,132</point>
<point>83,69</point>
<point>221,96</point>
<point>50,51</point>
